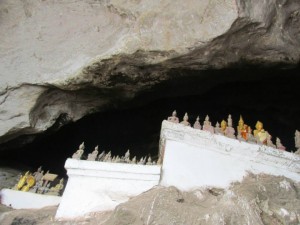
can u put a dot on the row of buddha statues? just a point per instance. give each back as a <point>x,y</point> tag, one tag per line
<point>244,132</point>
<point>40,183</point>
<point>107,157</point>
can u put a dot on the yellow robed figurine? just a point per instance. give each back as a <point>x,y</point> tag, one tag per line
<point>26,182</point>
<point>30,182</point>
<point>260,133</point>
<point>223,126</point>
<point>22,181</point>
<point>240,127</point>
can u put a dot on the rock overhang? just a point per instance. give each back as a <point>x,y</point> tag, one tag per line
<point>126,49</point>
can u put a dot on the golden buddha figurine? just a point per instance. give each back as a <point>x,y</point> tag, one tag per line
<point>259,127</point>
<point>26,182</point>
<point>22,181</point>
<point>30,182</point>
<point>223,126</point>
<point>260,133</point>
<point>240,127</point>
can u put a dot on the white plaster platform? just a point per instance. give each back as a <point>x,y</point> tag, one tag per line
<point>27,200</point>
<point>100,186</point>
<point>195,158</point>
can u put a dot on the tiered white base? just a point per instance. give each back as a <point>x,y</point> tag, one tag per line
<point>27,200</point>
<point>195,158</point>
<point>101,186</point>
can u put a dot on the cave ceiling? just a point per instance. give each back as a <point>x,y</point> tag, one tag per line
<point>209,57</point>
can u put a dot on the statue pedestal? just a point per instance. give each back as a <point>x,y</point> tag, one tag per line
<point>100,186</point>
<point>27,200</point>
<point>196,158</point>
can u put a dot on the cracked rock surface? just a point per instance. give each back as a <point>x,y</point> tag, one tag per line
<point>70,58</point>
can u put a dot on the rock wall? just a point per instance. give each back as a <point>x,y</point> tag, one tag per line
<point>72,58</point>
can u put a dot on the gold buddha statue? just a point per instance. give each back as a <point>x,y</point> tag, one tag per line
<point>259,127</point>
<point>260,133</point>
<point>26,182</point>
<point>223,126</point>
<point>240,127</point>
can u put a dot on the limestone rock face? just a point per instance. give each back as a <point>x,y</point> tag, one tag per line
<point>64,59</point>
<point>257,200</point>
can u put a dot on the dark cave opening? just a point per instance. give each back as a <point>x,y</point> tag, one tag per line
<point>270,95</point>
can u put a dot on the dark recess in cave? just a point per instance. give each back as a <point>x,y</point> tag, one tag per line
<point>270,95</point>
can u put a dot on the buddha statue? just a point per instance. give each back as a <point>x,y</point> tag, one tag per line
<point>229,131</point>
<point>279,145</point>
<point>223,126</point>
<point>229,121</point>
<point>260,134</point>
<point>244,132</point>
<point>142,161</point>
<point>174,117</point>
<point>101,156</point>
<point>22,181</point>
<point>251,138</point>
<point>185,121</point>
<point>197,124</point>
<point>118,159</point>
<point>30,182</point>
<point>207,125</point>
<point>218,129</point>
<point>133,161</point>
<point>259,127</point>
<point>92,156</point>
<point>127,156</point>
<point>57,188</point>
<point>38,174</point>
<point>107,157</point>
<point>79,152</point>
<point>269,141</point>
<point>149,161</point>
<point>240,127</point>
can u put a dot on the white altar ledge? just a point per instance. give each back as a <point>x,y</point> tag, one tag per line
<point>101,186</point>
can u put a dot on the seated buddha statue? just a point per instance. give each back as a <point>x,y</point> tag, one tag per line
<point>279,145</point>
<point>174,117</point>
<point>185,121</point>
<point>79,152</point>
<point>259,133</point>
<point>218,129</point>
<point>197,124</point>
<point>207,125</point>
<point>57,188</point>
<point>223,126</point>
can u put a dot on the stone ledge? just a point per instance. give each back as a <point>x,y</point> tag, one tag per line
<point>101,186</point>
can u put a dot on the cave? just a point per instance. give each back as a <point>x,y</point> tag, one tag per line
<point>268,94</point>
